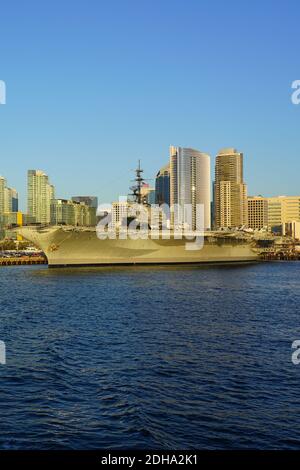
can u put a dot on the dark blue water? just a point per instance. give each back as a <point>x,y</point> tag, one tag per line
<point>150,357</point>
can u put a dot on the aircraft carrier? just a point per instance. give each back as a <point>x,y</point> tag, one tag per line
<point>81,246</point>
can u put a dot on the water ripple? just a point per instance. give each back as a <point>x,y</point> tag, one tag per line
<point>195,358</point>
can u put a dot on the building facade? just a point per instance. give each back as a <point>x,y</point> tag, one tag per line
<point>2,194</point>
<point>281,210</point>
<point>14,200</point>
<point>162,186</point>
<point>120,211</point>
<point>230,191</point>
<point>10,219</point>
<point>9,215</point>
<point>11,202</point>
<point>257,212</point>
<point>66,212</point>
<point>39,196</point>
<point>291,229</point>
<point>91,201</point>
<point>147,194</point>
<point>190,187</point>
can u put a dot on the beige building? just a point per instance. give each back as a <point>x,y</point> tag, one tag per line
<point>257,212</point>
<point>120,211</point>
<point>39,195</point>
<point>10,200</point>
<point>9,219</point>
<point>230,191</point>
<point>2,194</point>
<point>8,197</point>
<point>66,212</point>
<point>281,210</point>
<point>292,229</point>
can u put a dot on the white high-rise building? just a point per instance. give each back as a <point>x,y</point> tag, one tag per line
<point>190,186</point>
<point>39,195</point>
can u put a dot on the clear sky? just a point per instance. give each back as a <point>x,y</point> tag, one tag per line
<point>94,85</point>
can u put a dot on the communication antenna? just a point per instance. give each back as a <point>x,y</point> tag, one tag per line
<point>137,187</point>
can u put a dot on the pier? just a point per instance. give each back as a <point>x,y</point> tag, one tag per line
<point>280,256</point>
<point>23,260</point>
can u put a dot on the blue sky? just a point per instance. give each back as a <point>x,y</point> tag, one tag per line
<point>94,85</point>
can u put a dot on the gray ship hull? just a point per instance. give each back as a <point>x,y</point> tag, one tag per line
<point>69,246</point>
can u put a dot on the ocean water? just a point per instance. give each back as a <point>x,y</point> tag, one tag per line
<point>150,358</point>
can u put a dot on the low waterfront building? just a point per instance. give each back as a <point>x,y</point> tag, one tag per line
<point>28,219</point>
<point>8,222</point>
<point>66,212</point>
<point>281,210</point>
<point>292,229</point>
<point>10,219</point>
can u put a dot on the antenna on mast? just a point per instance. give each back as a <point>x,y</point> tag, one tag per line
<point>137,188</point>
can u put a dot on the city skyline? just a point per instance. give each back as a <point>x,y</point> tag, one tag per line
<point>94,117</point>
<point>23,200</point>
<point>149,231</point>
<point>184,181</point>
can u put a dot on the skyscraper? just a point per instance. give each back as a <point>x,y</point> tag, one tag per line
<point>39,195</point>
<point>190,186</point>
<point>7,200</point>
<point>14,200</point>
<point>10,200</point>
<point>2,194</point>
<point>230,191</point>
<point>162,186</point>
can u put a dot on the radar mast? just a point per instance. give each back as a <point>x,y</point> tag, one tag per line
<point>137,187</point>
